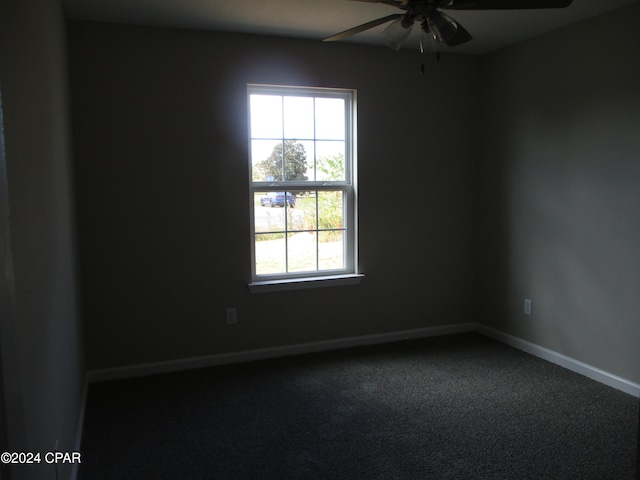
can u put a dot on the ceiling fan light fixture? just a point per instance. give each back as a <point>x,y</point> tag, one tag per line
<point>397,32</point>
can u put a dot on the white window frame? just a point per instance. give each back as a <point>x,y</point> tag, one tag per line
<point>318,278</point>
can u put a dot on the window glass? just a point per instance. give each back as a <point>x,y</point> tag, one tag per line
<point>266,116</point>
<point>330,119</point>
<point>298,117</point>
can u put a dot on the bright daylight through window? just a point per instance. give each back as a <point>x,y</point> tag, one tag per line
<point>302,182</point>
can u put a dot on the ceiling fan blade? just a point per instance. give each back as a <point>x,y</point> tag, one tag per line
<point>362,28</point>
<point>461,36</point>
<point>445,29</point>
<point>505,4</point>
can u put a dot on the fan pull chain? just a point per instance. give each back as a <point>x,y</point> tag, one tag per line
<point>422,51</point>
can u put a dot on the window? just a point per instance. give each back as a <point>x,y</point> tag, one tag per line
<point>302,171</point>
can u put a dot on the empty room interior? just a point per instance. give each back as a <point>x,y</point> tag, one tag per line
<point>495,191</point>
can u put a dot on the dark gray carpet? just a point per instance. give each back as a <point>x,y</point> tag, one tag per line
<point>454,407</point>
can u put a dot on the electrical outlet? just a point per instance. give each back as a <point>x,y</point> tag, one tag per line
<point>527,306</point>
<point>232,316</point>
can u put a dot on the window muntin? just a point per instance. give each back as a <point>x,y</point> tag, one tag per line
<point>301,182</point>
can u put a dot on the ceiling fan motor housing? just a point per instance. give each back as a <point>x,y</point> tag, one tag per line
<point>420,10</point>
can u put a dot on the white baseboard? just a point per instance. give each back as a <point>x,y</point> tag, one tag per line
<point>562,360</point>
<point>265,353</point>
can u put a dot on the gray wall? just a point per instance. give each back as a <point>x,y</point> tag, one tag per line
<point>561,191</point>
<point>47,345</point>
<point>160,135</point>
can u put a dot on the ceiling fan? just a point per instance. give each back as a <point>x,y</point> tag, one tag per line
<point>443,28</point>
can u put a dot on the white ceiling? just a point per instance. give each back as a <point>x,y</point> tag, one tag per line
<point>317,19</point>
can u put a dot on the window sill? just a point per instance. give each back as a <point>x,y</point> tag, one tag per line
<point>305,282</point>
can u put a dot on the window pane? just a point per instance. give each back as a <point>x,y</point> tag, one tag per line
<point>266,160</point>
<point>302,252</point>
<point>267,216</point>
<point>330,160</point>
<point>270,253</point>
<point>305,217</point>
<point>266,116</point>
<point>330,210</point>
<point>298,160</point>
<point>296,220</point>
<point>298,117</point>
<point>330,250</point>
<point>330,113</point>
